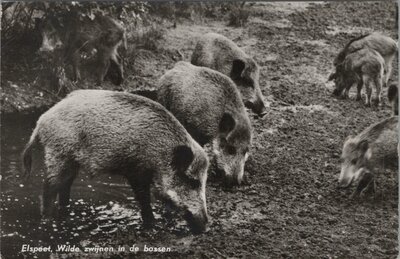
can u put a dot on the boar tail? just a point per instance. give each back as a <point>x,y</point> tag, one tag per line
<point>27,153</point>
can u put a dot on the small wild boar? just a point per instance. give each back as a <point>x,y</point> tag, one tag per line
<point>97,131</point>
<point>384,45</point>
<point>208,104</point>
<point>73,34</point>
<point>393,96</point>
<point>219,53</point>
<point>362,67</point>
<point>375,147</point>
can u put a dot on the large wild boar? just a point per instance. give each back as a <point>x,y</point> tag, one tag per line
<point>375,147</point>
<point>208,104</point>
<point>362,67</point>
<point>73,35</point>
<point>384,45</point>
<point>219,53</point>
<point>97,131</point>
<point>393,96</point>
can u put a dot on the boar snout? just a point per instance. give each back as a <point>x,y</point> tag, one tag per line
<point>336,92</point>
<point>345,182</point>
<point>257,106</point>
<point>197,222</point>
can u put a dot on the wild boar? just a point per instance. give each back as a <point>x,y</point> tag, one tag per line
<point>74,35</point>
<point>97,131</point>
<point>219,53</point>
<point>208,104</point>
<point>362,67</point>
<point>384,45</point>
<point>375,147</point>
<point>393,96</point>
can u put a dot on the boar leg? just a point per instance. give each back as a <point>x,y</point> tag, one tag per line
<point>104,64</point>
<point>368,90</point>
<point>75,56</point>
<point>378,86</point>
<point>66,183</point>
<point>117,59</point>
<point>55,169</point>
<point>359,87</point>
<point>50,190</point>
<point>141,188</point>
<point>388,69</point>
<point>115,71</point>
<point>345,94</point>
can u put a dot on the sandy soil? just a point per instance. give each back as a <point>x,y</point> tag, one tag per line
<point>291,207</point>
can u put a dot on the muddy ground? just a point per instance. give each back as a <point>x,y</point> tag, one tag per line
<point>291,207</point>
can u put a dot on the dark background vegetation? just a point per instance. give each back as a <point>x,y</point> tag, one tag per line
<point>146,23</point>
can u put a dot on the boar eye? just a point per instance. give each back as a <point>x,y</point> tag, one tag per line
<point>231,150</point>
<point>354,161</point>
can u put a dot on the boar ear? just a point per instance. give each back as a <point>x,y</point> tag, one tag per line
<point>332,76</point>
<point>237,68</point>
<point>363,145</point>
<point>227,124</point>
<point>182,158</point>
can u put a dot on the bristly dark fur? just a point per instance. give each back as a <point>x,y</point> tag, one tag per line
<point>103,33</point>
<point>344,52</point>
<point>373,132</point>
